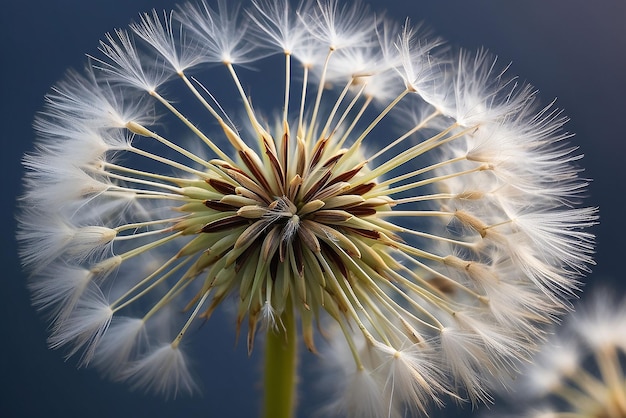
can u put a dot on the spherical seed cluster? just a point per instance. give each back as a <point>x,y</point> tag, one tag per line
<point>422,202</point>
<point>580,370</point>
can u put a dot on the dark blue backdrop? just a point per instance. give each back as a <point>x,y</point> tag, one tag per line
<point>571,49</point>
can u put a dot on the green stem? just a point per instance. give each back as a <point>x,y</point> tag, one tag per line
<point>281,367</point>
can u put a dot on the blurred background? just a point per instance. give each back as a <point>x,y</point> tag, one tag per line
<point>574,50</point>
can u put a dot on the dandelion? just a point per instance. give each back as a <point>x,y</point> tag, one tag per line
<point>421,202</point>
<point>579,372</point>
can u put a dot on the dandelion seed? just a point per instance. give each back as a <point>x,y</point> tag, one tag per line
<point>423,203</point>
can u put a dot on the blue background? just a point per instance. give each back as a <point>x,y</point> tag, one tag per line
<point>571,49</point>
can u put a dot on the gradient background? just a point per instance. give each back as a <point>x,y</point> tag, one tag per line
<point>571,49</point>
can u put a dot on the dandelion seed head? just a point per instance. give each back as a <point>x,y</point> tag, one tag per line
<point>419,203</point>
<point>557,364</point>
<point>578,371</point>
<point>600,324</point>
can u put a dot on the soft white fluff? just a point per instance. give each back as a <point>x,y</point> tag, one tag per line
<point>121,344</point>
<point>163,370</point>
<point>82,330</point>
